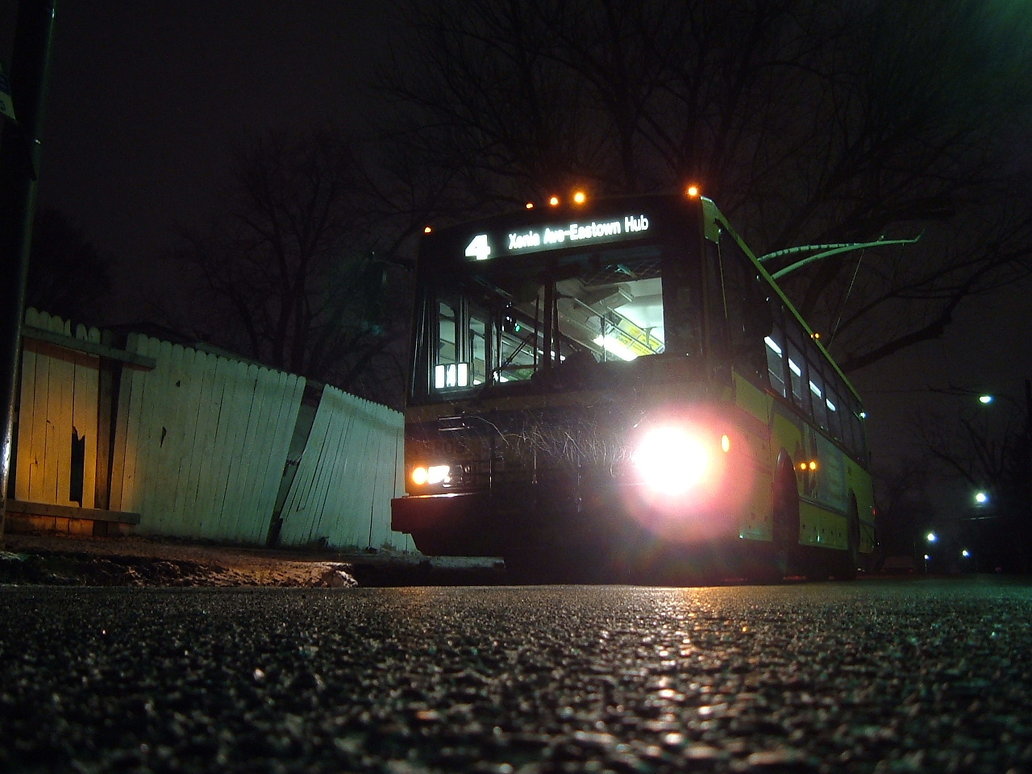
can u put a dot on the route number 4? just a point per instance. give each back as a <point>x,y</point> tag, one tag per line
<point>479,249</point>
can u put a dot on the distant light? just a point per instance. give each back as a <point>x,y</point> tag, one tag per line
<point>579,197</point>
<point>692,191</point>
<point>529,205</point>
<point>427,229</point>
<point>931,537</point>
<point>985,400</point>
<point>981,498</point>
<point>553,201</point>
<point>927,557</point>
<point>863,415</point>
<point>965,554</point>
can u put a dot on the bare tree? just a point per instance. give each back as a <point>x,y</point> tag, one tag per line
<point>808,122</point>
<point>300,271</point>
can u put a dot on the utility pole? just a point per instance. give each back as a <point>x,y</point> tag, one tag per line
<point>20,154</point>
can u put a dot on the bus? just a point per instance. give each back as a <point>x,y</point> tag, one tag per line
<point>619,384</point>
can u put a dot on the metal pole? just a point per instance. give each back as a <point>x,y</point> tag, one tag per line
<point>19,173</point>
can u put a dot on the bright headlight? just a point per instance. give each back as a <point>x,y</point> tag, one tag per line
<point>671,459</point>
<point>423,475</point>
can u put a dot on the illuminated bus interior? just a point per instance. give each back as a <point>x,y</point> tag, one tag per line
<point>595,309</point>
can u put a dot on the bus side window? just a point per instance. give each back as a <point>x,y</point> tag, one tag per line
<point>820,410</point>
<point>856,429</point>
<point>832,403</point>
<point>776,361</point>
<point>746,309</point>
<point>796,372</point>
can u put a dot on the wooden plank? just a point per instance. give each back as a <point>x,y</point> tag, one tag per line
<point>154,412</point>
<point>59,433</point>
<point>83,436</point>
<point>295,528</point>
<point>355,465</point>
<point>69,512</point>
<point>216,480</point>
<point>333,476</point>
<point>85,390</point>
<point>127,431</point>
<point>248,483</point>
<point>202,450</point>
<point>182,494</point>
<point>60,338</point>
<point>387,460</point>
<point>238,405</point>
<point>269,469</point>
<point>171,444</point>
<point>290,394</point>
<point>26,463</point>
<point>40,421</point>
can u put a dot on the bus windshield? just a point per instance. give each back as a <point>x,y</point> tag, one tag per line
<point>540,302</point>
<point>551,325</point>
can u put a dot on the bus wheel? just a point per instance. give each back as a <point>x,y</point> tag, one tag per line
<point>785,525</point>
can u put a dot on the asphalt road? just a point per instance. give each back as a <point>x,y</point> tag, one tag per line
<point>882,676</point>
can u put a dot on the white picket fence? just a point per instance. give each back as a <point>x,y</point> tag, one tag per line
<point>202,443</point>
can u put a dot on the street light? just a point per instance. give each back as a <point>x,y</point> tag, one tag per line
<point>981,497</point>
<point>985,400</point>
<point>931,537</point>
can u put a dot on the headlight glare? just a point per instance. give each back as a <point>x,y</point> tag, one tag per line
<point>671,459</point>
<point>424,475</point>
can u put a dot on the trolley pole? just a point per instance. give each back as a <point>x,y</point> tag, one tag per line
<point>20,153</point>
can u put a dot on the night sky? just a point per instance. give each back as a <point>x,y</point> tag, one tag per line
<point>149,99</point>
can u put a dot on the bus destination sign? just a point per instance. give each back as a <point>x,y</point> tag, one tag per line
<point>553,236</point>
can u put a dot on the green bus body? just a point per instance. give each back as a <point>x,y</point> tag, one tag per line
<point>623,382</point>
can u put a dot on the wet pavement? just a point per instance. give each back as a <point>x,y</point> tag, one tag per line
<point>875,676</point>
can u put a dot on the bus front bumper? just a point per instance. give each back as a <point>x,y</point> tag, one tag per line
<point>527,517</point>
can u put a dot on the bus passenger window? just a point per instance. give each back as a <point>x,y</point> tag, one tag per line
<point>776,364</point>
<point>820,411</point>
<point>800,395</point>
<point>831,402</point>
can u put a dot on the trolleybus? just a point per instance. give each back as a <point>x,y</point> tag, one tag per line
<point>620,384</point>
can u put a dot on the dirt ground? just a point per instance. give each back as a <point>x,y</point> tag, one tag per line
<point>138,561</point>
